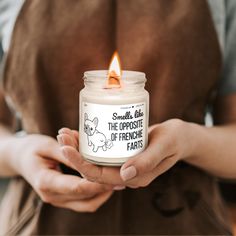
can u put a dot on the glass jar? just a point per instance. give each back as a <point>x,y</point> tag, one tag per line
<point>113,121</point>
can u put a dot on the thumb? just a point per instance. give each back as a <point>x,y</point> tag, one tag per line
<point>142,163</point>
<point>52,150</point>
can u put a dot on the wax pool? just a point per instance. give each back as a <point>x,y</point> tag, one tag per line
<point>113,121</point>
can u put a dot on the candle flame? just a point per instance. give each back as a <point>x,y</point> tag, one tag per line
<point>115,65</point>
<point>114,72</point>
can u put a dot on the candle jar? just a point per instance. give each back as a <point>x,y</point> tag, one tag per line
<point>113,121</point>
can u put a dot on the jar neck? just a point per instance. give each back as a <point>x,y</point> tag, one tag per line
<point>130,81</point>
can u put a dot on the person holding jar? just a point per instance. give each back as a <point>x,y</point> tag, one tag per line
<point>171,187</point>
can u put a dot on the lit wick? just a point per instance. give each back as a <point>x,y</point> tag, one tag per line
<point>114,72</point>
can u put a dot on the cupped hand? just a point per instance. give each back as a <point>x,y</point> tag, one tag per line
<point>169,142</point>
<point>37,158</point>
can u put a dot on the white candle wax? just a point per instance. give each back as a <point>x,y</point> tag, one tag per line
<point>113,121</point>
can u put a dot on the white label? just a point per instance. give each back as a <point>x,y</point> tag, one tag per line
<point>113,131</point>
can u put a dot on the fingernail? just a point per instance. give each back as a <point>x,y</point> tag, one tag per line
<point>60,131</point>
<point>60,140</point>
<point>119,187</point>
<point>128,173</point>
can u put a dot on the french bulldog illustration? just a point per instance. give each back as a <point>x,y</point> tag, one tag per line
<point>96,139</point>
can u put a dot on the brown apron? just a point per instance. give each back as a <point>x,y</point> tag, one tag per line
<point>175,44</point>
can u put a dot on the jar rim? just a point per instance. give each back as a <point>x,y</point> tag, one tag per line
<point>126,77</point>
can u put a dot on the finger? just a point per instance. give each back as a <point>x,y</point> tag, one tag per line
<point>101,174</point>
<point>72,133</point>
<point>142,163</point>
<point>150,128</point>
<point>58,198</point>
<point>146,161</point>
<point>88,205</point>
<point>51,149</point>
<point>65,139</point>
<point>51,181</point>
<point>61,199</point>
<point>76,135</point>
<point>91,189</point>
<point>64,131</point>
<point>146,179</point>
